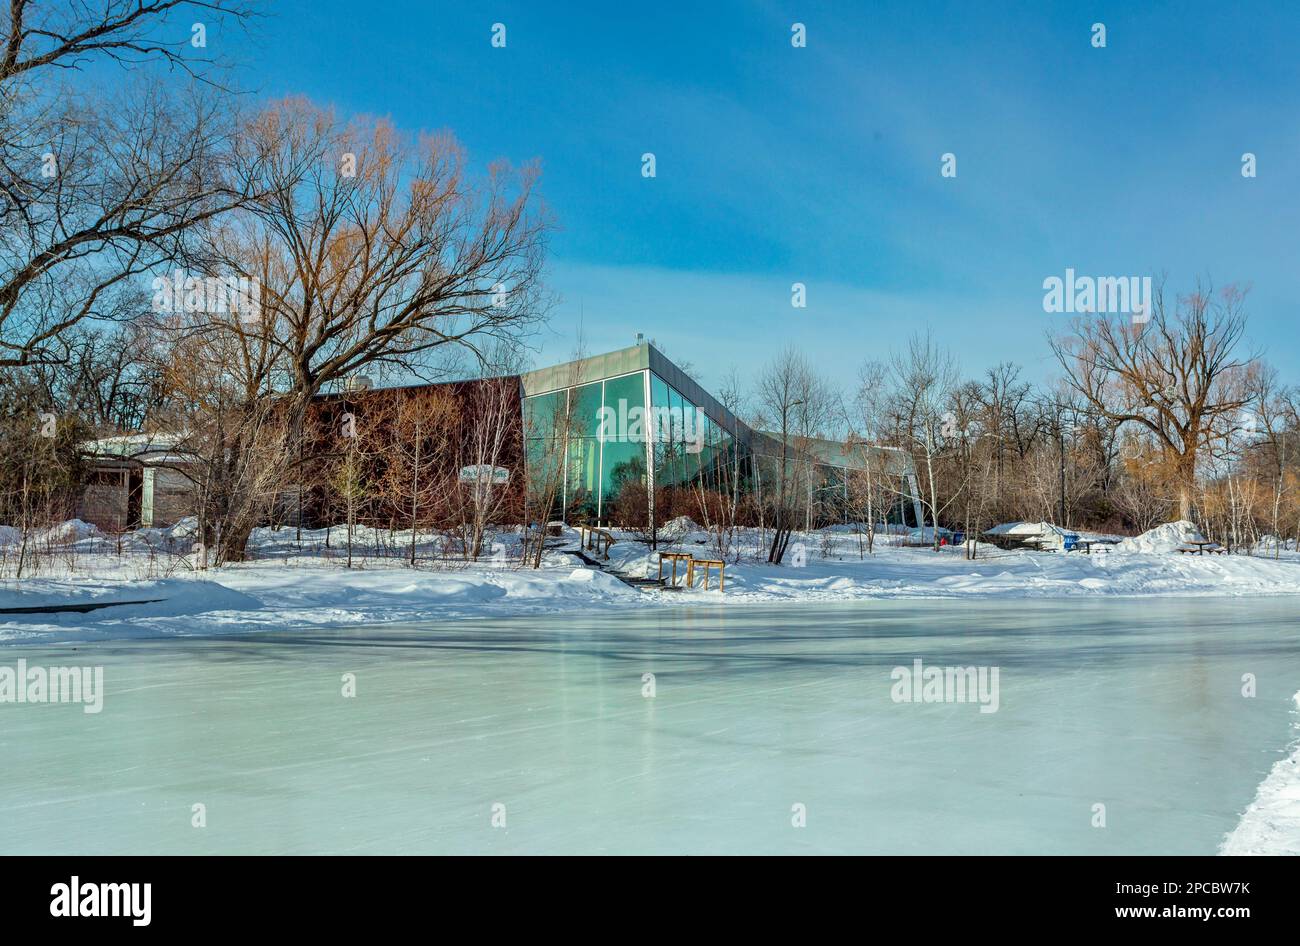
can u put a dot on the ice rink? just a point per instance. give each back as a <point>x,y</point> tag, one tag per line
<point>538,734</point>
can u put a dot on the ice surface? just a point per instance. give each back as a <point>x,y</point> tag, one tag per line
<point>1135,705</point>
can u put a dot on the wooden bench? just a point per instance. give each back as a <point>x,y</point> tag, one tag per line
<point>706,564</point>
<point>1200,548</point>
<point>675,557</point>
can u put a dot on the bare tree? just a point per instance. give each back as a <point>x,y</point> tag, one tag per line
<point>1271,422</point>
<point>491,434</point>
<point>65,35</point>
<point>99,189</point>
<point>363,432</point>
<point>423,429</point>
<point>1140,492</point>
<point>372,251</point>
<point>1175,374</point>
<point>40,464</point>
<point>549,426</point>
<point>792,402</point>
<point>111,377</point>
<point>923,380</point>
<point>101,194</point>
<point>869,492</point>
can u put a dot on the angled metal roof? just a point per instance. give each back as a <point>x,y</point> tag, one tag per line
<point>643,355</point>
<point>844,453</point>
<point>585,370</point>
<point>636,357</point>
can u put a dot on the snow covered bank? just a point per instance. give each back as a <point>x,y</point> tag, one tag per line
<point>264,597</point>
<point>161,598</point>
<point>291,585</point>
<point>898,571</point>
<point>1271,825</point>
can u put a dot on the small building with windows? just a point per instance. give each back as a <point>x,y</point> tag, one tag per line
<point>136,481</point>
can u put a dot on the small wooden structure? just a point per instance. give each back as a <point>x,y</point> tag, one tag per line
<point>706,564</point>
<point>675,557</point>
<point>596,540</point>
<point>1200,548</point>
<point>691,563</point>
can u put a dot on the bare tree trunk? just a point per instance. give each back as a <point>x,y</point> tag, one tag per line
<point>415,490</point>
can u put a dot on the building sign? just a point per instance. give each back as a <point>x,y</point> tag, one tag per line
<point>484,474</point>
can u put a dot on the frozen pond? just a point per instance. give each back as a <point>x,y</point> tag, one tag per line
<point>1133,704</point>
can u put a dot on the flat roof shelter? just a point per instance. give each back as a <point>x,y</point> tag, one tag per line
<point>136,481</point>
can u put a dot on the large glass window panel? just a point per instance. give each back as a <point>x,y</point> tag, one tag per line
<point>674,420</point>
<point>586,410</point>
<point>625,393</point>
<point>692,441</point>
<point>675,413</point>
<point>624,448</point>
<point>544,414</point>
<point>663,463</point>
<point>659,401</point>
<point>624,462</point>
<point>709,458</point>
<point>662,448</point>
<point>583,482</point>
<point>545,471</point>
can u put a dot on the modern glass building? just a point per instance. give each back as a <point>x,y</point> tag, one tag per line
<point>593,429</point>
<point>633,417</point>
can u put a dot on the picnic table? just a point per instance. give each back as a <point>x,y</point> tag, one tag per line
<point>1087,544</point>
<point>1037,543</point>
<point>675,557</point>
<point>707,563</point>
<point>691,563</point>
<point>1200,548</point>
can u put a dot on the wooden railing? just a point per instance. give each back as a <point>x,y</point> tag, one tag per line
<point>596,540</point>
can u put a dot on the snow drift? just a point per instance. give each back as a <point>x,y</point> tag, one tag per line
<point>1162,539</point>
<point>1271,825</point>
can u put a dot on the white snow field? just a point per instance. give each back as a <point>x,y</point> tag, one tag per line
<point>287,586</point>
<point>544,724</point>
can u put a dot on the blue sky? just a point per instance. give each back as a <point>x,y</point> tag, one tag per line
<point>821,165</point>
